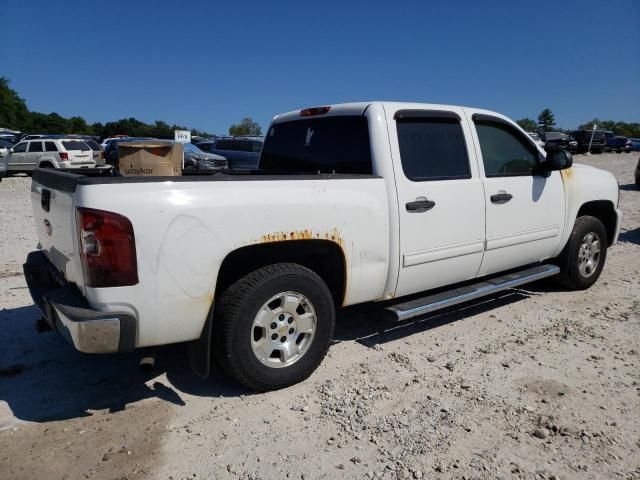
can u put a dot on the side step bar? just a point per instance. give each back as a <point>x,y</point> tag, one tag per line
<point>430,303</point>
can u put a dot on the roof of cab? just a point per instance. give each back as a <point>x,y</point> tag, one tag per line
<point>359,108</point>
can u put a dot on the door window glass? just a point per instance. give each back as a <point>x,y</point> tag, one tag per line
<point>504,151</point>
<point>21,147</point>
<point>50,147</point>
<point>432,149</point>
<point>35,147</point>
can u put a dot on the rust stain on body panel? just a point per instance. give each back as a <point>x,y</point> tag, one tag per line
<point>332,235</point>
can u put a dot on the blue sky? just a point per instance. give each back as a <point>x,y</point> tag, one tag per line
<point>207,64</point>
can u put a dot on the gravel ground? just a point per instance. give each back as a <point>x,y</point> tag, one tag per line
<point>533,383</point>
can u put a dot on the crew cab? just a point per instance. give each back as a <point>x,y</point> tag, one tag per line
<point>352,203</point>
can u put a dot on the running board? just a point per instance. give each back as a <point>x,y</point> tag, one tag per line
<point>438,301</point>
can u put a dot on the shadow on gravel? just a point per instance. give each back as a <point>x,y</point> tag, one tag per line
<point>630,186</point>
<point>369,325</point>
<point>630,236</point>
<point>42,378</point>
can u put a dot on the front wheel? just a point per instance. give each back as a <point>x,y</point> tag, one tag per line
<point>272,328</point>
<point>582,259</point>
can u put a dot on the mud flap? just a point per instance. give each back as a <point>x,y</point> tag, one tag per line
<point>200,350</point>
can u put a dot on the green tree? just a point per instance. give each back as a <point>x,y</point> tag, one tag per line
<point>246,127</point>
<point>528,125</point>
<point>13,109</point>
<point>546,120</point>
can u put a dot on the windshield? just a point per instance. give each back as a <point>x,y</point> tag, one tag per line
<point>93,145</point>
<point>338,144</point>
<point>190,147</point>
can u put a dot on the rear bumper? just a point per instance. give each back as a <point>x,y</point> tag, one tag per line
<point>67,311</point>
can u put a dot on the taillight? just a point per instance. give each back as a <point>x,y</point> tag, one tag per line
<point>64,156</point>
<point>107,249</point>
<point>310,112</point>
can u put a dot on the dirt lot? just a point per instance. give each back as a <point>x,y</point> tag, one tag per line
<point>533,383</point>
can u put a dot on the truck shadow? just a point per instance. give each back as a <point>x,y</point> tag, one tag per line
<point>630,236</point>
<point>43,379</point>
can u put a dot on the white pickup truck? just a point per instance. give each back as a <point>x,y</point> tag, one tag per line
<point>352,203</point>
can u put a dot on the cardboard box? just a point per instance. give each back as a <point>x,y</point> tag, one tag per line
<point>150,158</point>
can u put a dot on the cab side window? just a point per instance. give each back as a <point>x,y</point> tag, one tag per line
<point>432,148</point>
<point>50,147</point>
<point>504,151</point>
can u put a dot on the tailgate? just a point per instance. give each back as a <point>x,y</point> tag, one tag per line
<point>52,200</point>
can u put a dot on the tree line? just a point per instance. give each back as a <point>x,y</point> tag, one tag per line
<point>15,115</point>
<point>547,123</point>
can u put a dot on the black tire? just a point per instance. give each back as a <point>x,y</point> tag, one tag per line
<point>571,275</point>
<point>233,325</point>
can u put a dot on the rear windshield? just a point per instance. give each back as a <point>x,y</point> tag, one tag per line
<point>318,145</point>
<point>93,145</point>
<point>75,145</point>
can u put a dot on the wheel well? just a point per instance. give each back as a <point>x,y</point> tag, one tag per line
<point>323,257</point>
<point>45,164</point>
<point>604,211</point>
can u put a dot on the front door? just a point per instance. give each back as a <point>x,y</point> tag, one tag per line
<point>525,209</point>
<point>16,160</point>
<point>440,196</point>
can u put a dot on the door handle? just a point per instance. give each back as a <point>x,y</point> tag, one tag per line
<point>420,205</point>
<point>501,197</point>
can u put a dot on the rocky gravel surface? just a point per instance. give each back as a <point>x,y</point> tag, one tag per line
<point>534,383</point>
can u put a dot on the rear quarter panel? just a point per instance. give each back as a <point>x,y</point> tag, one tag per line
<point>184,230</point>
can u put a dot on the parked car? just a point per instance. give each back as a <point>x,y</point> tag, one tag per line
<point>633,145</point>
<point>536,138</point>
<point>196,159</point>
<point>249,267</point>
<point>241,152</point>
<point>615,143</point>
<point>559,140</point>
<point>5,145</point>
<point>28,155</point>
<point>637,174</point>
<point>583,137</point>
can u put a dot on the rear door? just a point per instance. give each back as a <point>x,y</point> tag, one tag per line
<point>34,152</point>
<point>525,210</point>
<point>440,196</point>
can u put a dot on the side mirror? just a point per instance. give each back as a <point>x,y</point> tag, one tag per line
<point>558,159</point>
<point>11,150</point>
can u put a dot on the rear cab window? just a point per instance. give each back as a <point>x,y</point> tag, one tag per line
<point>334,144</point>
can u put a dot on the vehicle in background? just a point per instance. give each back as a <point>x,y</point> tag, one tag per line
<point>583,137</point>
<point>637,174</point>
<point>615,143</point>
<point>633,144</point>
<point>98,156</point>
<point>109,139</point>
<point>241,152</point>
<point>26,156</point>
<point>352,203</point>
<point>536,138</point>
<point>110,153</point>
<point>558,140</point>
<point>196,139</point>
<point>5,145</point>
<point>196,159</point>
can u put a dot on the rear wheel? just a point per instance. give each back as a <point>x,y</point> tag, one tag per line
<point>583,257</point>
<point>273,327</point>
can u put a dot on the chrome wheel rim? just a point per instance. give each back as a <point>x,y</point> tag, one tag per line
<point>283,329</point>
<point>589,254</point>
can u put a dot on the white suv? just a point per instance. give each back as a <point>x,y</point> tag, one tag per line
<point>49,153</point>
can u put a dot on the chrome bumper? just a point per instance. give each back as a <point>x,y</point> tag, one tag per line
<point>67,311</point>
